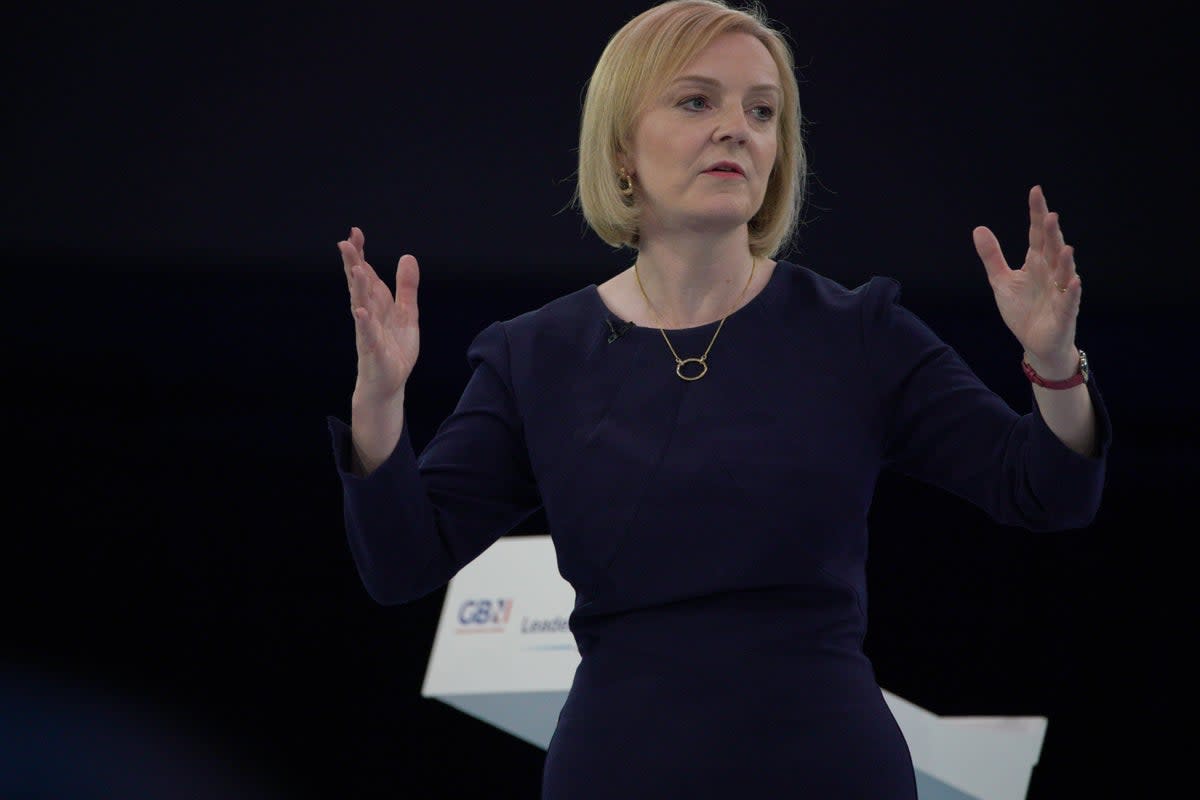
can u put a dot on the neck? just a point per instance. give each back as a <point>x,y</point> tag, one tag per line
<point>695,284</point>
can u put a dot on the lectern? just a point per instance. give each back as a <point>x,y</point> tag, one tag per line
<point>503,653</point>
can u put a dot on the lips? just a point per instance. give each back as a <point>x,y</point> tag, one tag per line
<point>727,167</point>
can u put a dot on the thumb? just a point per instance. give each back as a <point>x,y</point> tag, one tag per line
<point>988,248</point>
<point>408,278</point>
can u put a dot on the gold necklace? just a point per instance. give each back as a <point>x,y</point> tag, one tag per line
<point>701,360</point>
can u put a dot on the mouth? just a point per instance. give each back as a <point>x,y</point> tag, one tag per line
<point>725,169</point>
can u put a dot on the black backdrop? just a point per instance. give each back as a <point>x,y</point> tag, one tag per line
<point>181,609</point>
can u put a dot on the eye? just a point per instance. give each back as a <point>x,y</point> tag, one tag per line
<point>764,113</point>
<point>696,103</point>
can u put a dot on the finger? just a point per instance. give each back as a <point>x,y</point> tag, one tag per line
<point>1047,259</point>
<point>1066,278</point>
<point>353,266</point>
<point>408,278</point>
<point>350,255</point>
<point>1037,220</point>
<point>349,261</point>
<point>351,250</point>
<point>1051,241</point>
<point>366,290</point>
<point>352,283</point>
<point>988,248</point>
<point>366,338</point>
<point>370,306</point>
<point>1071,285</point>
<point>359,275</point>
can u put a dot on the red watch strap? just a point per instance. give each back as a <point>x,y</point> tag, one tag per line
<point>1074,380</point>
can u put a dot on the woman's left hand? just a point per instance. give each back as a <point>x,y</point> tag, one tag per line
<point>1040,301</point>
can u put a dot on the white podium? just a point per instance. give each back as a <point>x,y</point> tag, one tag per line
<point>503,653</point>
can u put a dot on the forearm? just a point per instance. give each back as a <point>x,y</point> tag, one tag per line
<point>1067,412</point>
<point>375,430</point>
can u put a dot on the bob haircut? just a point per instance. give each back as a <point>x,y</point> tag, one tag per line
<point>637,64</point>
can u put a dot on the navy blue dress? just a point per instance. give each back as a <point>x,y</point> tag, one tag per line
<point>715,531</point>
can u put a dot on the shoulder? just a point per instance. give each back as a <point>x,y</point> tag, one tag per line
<point>805,288</point>
<point>870,313</point>
<point>563,311</point>
<point>560,325</point>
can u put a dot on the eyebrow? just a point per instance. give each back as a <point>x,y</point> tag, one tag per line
<point>715,84</point>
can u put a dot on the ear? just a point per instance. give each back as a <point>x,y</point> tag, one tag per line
<point>625,160</point>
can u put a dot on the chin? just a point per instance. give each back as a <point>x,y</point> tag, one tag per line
<point>724,217</point>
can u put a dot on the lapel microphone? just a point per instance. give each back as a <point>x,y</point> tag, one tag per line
<point>616,331</point>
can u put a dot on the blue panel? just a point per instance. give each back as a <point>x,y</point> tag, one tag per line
<point>930,788</point>
<point>531,716</point>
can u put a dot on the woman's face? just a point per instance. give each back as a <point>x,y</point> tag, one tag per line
<point>721,108</point>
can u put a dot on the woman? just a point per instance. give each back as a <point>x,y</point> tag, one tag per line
<point>704,432</point>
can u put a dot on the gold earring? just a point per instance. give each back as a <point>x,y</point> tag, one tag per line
<point>625,183</point>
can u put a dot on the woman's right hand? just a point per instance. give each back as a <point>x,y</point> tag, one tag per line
<point>388,339</point>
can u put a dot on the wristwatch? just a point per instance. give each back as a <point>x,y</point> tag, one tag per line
<point>1080,376</point>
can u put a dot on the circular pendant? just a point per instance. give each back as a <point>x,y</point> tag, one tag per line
<point>679,368</point>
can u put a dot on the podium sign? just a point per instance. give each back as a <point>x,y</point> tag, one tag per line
<point>503,654</point>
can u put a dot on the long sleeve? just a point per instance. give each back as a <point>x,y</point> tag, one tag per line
<point>414,522</point>
<point>946,428</point>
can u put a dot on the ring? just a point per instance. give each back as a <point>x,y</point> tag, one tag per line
<point>1059,286</point>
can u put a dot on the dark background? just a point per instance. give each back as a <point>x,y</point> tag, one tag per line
<point>182,616</point>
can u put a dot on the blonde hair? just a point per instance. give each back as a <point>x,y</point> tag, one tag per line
<point>637,63</point>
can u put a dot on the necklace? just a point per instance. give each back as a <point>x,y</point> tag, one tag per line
<point>701,360</point>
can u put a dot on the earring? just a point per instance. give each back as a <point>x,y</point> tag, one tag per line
<point>625,183</point>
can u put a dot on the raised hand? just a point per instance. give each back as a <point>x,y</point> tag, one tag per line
<point>1039,301</point>
<point>387,338</point>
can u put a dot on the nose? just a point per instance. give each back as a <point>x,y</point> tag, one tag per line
<point>731,125</point>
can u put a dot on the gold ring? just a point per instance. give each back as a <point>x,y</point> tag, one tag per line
<point>1059,286</point>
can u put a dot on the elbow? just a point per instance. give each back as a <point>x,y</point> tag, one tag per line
<point>387,591</point>
<point>389,587</point>
<point>381,592</point>
<point>1083,512</point>
<point>1080,520</point>
<point>1054,502</point>
<point>1070,518</point>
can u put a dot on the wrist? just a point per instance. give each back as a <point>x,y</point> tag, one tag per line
<point>1056,367</point>
<point>1054,376</point>
<point>375,429</point>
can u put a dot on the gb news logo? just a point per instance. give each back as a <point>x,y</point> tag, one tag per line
<point>491,615</point>
<point>484,615</point>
